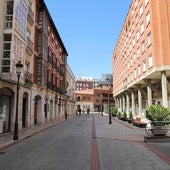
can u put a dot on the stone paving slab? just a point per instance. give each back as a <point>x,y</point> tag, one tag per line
<point>120,145</point>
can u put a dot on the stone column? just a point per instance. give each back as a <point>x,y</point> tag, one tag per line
<point>149,92</point>
<point>164,89</point>
<point>127,104</point>
<point>123,103</point>
<point>120,104</point>
<point>140,101</point>
<point>133,102</point>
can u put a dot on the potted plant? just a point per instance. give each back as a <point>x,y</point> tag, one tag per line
<point>124,116</point>
<point>130,118</point>
<point>159,117</point>
<point>114,111</point>
<point>120,115</point>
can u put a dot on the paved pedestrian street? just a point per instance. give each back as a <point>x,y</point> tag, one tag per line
<point>86,142</point>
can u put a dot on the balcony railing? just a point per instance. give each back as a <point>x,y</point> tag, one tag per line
<point>29,46</point>
<point>28,78</point>
<point>30,16</point>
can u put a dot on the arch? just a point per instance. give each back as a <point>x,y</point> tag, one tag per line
<point>37,109</point>
<point>6,107</point>
<point>25,110</point>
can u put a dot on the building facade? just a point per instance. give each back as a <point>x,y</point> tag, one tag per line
<point>97,99</point>
<point>85,100</point>
<point>28,34</point>
<point>141,59</point>
<point>103,98</point>
<point>83,84</point>
<point>71,83</point>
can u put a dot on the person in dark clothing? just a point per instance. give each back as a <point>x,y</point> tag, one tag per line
<point>88,111</point>
<point>79,111</point>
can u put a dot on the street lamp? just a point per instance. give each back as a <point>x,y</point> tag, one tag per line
<point>66,109</point>
<point>19,67</point>
<point>110,116</point>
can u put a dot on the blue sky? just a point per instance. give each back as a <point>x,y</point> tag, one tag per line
<point>89,30</point>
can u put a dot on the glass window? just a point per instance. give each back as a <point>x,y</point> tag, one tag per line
<point>142,28</point>
<point>143,46</point>
<point>136,3</point>
<point>148,18</point>
<point>144,66</point>
<point>139,69</point>
<point>146,2</point>
<point>137,36</point>
<point>6,53</point>
<point>138,52</point>
<point>134,57</point>
<point>150,58</point>
<point>141,10</point>
<point>136,19</point>
<point>149,39</point>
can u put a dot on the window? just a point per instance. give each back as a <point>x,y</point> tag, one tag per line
<point>9,14</point>
<point>133,26</point>
<point>6,53</point>
<point>131,62</point>
<point>134,57</point>
<point>138,52</point>
<point>144,66</point>
<point>139,69</point>
<point>137,36</point>
<point>141,10</point>
<point>132,13</point>
<point>136,19</point>
<point>148,18</point>
<point>133,42</point>
<point>143,47</point>
<point>136,3</point>
<point>150,58</point>
<point>21,16</point>
<point>130,47</point>
<point>142,28</point>
<point>135,74</point>
<point>149,39</point>
<point>146,2</point>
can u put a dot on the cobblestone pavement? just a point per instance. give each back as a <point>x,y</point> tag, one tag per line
<point>116,146</point>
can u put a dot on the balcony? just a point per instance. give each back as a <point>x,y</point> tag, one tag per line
<point>29,47</point>
<point>28,79</point>
<point>30,16</point>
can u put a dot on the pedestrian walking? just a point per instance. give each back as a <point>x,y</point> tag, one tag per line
<point>88,111</point>
<point>79,111</point>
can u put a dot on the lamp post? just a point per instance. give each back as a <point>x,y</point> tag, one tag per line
<point>19,67</point>
<point>66,109</point>
<point>110,116</point>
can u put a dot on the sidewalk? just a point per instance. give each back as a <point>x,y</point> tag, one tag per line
<point>6,139</point>
<point>125,132</point>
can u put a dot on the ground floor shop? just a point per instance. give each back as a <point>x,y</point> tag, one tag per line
<point>35,106</point>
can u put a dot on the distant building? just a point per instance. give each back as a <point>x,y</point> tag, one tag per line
<point>83,84</point>
<point>96,83</point>
<point>95,93</point>
<point>106,79</point>
<point>70,92</point>
<point>85,99</point>
<point>103,98</point>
